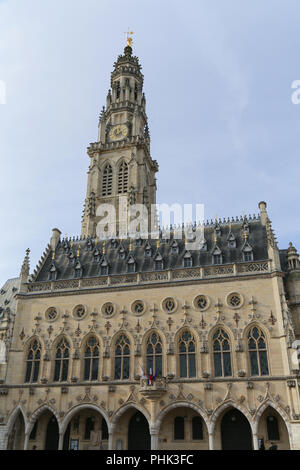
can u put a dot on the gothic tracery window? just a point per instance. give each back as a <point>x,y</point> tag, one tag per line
<point>221,353</point>
<point>154,355</point>
<point>91,359</point>
<point>257,352</point>
<point>33,362</point>
<point>122,358</point>
<point>62,357</point>
<point>107,181</point>
<point>123,178</point>
<point>187,355</point>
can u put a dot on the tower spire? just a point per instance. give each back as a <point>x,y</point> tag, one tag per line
<point>121,164</point>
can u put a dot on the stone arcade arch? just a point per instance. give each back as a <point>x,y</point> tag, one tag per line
<point>164,426</point>
<point>234,421</point>
<point>122,425</point>
<point>269,409</point>
<point>15,435</point>
<point>85,410</point>
<point>48,428</point>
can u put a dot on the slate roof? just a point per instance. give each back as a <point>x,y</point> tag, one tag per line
<point>92,255</point>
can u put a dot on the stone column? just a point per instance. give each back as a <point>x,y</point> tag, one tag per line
<point>61,441</point>
<point>3,438</point>
<point>110,437</point>
<point>255,441</point>
<point>26,439</point>
<point>154,439</point>
<point>211,441</point>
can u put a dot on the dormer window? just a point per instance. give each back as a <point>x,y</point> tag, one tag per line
<point>104,270</point>
<point>97,256</point>
<point>231,240</point>
<point>216,255</point>
<point>78,271</point>
<point>104,267</point>
<point>52,273</point>
<point>217,259</point>
<point>159,265</point>
<point>131,265</point>
<point>158,262</point>
<point>187,260</point>
<point>174,248</point>
<point>247,252</point>
<point>148,253</point>
<point>122,254</point>
<point>247,255</point>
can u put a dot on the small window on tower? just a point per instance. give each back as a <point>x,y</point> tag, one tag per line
<point>118,90</point>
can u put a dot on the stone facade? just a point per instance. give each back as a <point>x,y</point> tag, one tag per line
<point>221,337</point>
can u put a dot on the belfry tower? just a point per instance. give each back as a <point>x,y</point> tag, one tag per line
<point>121,167</point>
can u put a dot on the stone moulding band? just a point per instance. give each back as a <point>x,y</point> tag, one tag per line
<point>153,277</point>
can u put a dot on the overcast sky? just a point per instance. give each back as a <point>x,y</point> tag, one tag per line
<point>218,78</point>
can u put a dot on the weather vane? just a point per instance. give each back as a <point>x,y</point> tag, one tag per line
<point>128,38</point>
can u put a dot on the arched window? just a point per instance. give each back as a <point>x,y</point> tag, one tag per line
<point>257,352</point>
<point>179,428</point>
<point>62,361</point>
<point>154,355</point>
<point>91,359</point>
<point>33,361</point>
<point>187,355</point>
<point>122,358</point>
<point>89,427</point>
<point>123,178</point>
<point>197,428</point>
<point>107,181</point>
<point>272,428</point>
<point>221,351</point>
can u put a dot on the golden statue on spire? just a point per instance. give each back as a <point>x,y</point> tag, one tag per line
<point>128,38</point>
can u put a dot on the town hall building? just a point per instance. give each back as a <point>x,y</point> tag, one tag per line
<point>139,342</point>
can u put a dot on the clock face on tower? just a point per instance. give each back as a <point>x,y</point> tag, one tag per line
<point>118,132</point>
